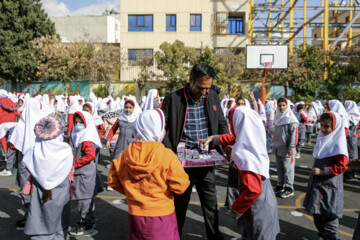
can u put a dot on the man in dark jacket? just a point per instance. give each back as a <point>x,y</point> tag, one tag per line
<point>194,113</point>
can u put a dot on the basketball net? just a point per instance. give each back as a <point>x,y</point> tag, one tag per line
<point>268,65</point>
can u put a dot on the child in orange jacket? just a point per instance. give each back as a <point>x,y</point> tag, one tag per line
<point>148,174</point>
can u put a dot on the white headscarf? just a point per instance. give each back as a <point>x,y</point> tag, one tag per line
<point>102,106</point>
<point>334,143</point>
<point>149,103</point>
<point>3,93</point>
<point>150,126</point>
<point>262,113</point>
<point>336,106</point>
<point>353,111</point>
<point>23,136</point>
<point>49,162</point>
<point>249,152</point>
<point>45,99</point>
<point>135,114</point>
<point>5,127</point>
<point>296,111</point>
<point>317,109</point>
<point>142,102</point>
<point>88,134</point>
<point>270,105</point>
<point>96,118</point>
<point>285,118</point>
<point>60,106</point>
<point>92,98</point>
<point>74,105</point>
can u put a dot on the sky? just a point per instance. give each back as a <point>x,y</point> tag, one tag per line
<point>56,8</point>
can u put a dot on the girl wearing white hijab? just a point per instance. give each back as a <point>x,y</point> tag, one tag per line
<point>152,100</point>
<point>23,139</point>
<point>125,123</point>
<point>325,192</point>
<point>336,106</point>
<point>299,112</point>
<point>49,163</point>
<point>149,174</point>
<point>74,106</point>
<point>85,138</point>
<point>99,123</point>
<point>270,108</point>
<point>261,110</point>
<point>352,138</point>
<point>254,204</point>
<point>283,146</point>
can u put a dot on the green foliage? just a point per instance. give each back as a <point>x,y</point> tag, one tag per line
<point>21,21</point>
<point>101,91</point>
<point>174,60</point>
<point>305,73</point>
<point>146,73</point>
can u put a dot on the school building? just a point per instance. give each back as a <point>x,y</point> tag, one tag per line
<point>146,24</point>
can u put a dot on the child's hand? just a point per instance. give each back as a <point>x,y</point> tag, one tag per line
<point>290,152</point>
<point>207,140</point>
<point>317,171</point>
<point>108,144</point>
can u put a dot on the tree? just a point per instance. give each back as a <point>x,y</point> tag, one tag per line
<point>231,67</point>
<point>146,73</point>
<point>107,64</point>
<point>21,21</point>
<point>63,62</point>
<point>305,73</point>
<point>174,61</point>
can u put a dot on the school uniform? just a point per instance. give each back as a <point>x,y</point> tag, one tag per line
<point>6,130</point>
<point>124,124</point>
<point>285,139</point>
<point>23,138</point>
<point>302,118</point>
<point>325,194</point>
<point>270,108</point>
<point>85,141</point>
<point>251,199</point>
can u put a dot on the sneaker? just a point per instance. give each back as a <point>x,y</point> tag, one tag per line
<point>20,225</point>
<point>193,189</point>
<point>287,193</point>
<point>109,188</point>
<point>5,173</point>
<point>79,230</point>
<point>297,156</point>
<point>279,189</point>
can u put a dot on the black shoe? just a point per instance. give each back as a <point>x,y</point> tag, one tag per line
<point>79,230</point>
<point>20,225</point>
<point>287,193</point>
<point>278,189</point>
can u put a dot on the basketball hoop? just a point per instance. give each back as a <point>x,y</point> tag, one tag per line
<point>268,65</point>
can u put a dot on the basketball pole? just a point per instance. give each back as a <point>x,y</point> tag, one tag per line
<point>263,89</point>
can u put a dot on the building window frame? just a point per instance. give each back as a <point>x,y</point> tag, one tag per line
<point>140,23</point>
<point>170,22</point>
<point>135,55</point>
<point>228,23</point>
<point>195,22</point>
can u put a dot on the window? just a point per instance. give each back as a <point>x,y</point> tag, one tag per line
<point>140,23</point>
<point>195,22</point>
<point>315,35</point>
<point>235,25</point>
<point>135,56</point>
<point>171,23</point>
<point>229,23</point>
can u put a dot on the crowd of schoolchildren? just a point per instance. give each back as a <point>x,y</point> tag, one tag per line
<point>52,144</point>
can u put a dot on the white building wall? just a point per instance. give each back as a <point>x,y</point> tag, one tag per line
<point>101,29</point>
<point>197,39</point>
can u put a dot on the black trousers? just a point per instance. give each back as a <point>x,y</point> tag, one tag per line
<point>204,180</point>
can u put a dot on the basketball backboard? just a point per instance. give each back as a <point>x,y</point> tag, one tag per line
<point>258,55</point>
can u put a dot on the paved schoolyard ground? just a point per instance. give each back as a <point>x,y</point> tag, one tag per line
<point>112,216</point>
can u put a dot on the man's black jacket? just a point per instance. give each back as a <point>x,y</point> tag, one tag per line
<point>174,107</point>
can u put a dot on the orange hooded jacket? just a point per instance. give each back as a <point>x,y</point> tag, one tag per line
<point>148,174</point>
